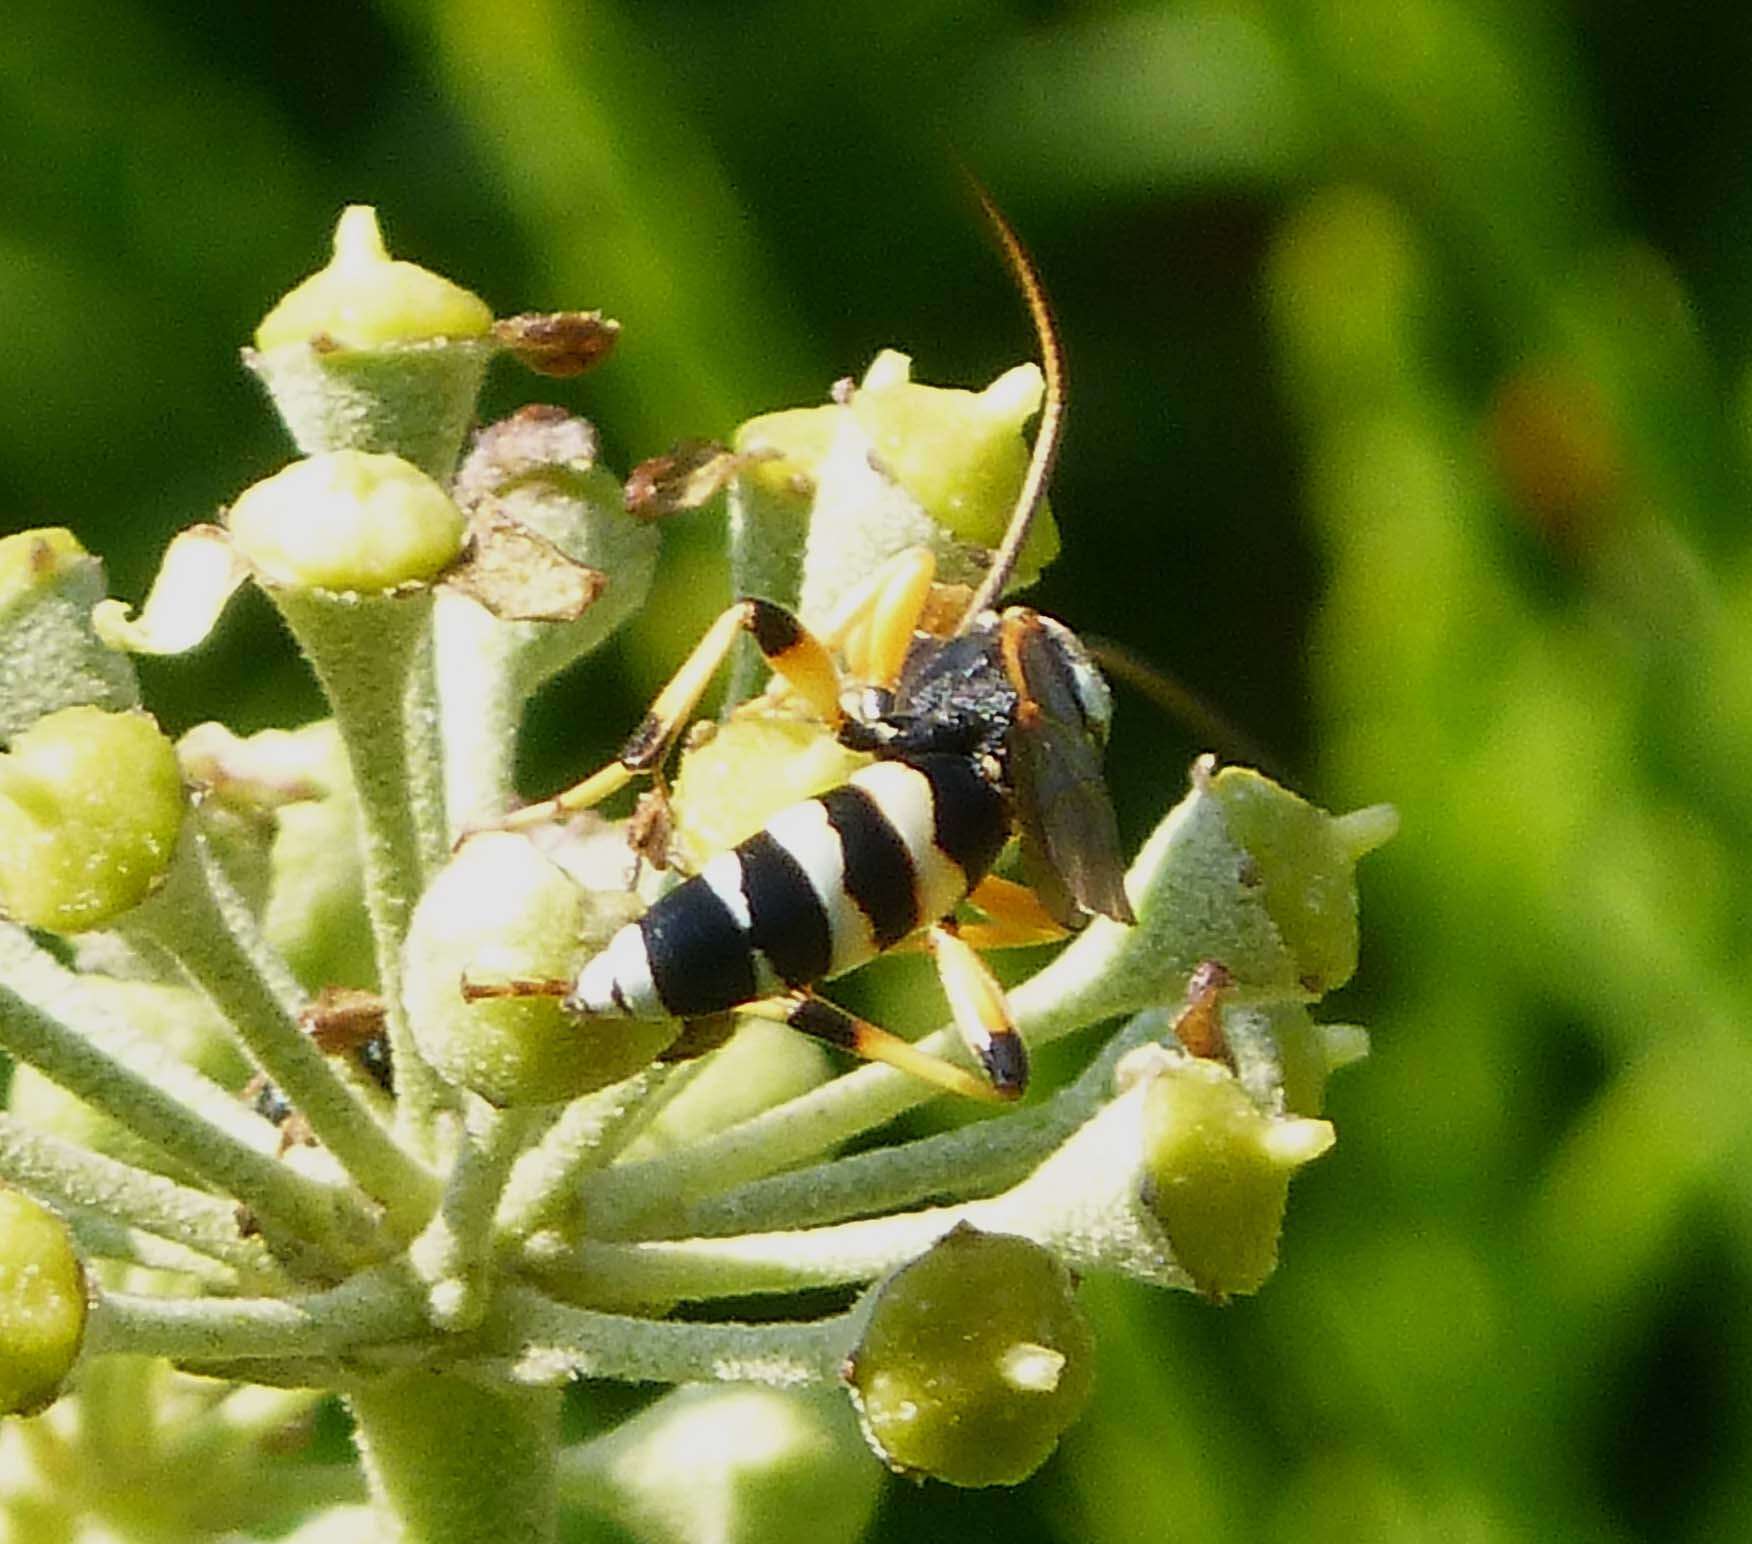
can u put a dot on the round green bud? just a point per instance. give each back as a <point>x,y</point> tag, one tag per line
<point>366,299</point>
<point>762,1466</point>
<point>729,785</point>
<point>91,804</point>
<point>974,1360</point>
<point>500,911</point>
<point>1304,862</point>
<point>42,1304</point>
<point>347,520</point>
<point>1217,1172</point>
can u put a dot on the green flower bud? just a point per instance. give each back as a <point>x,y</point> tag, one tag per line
<point>737,1465</point>
<point>347,520</point>
<point>364,298</point>
<point>974,1360</point>
<point>750,768</point>
<point>500,910</point>
<point>284,801</point>
<point>91,804</point>
<point>42,1304</point>
<point>1218,1171</point>
<point>50,657</point>
<point>959,453</point>
<point>894,465</point>
<point>32,560</point>
<point>377,355</point>
<point>1304,863</point>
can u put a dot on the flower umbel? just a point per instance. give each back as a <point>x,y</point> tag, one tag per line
<point>261,1149</point>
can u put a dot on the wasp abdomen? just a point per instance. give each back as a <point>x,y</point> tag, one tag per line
<point>826,885</point>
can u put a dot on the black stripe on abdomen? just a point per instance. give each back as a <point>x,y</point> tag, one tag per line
<point>970,818</point>
<point>700,959</point>
<point>786,920</point>
<point>879,869</point>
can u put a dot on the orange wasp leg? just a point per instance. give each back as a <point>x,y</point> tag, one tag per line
<point>789,647</point>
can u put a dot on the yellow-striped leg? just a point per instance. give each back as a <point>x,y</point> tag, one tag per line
<point>789,647</point>
<point>829,1023</point>
<point>976,1001</point>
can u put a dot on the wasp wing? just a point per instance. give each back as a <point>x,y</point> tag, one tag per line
<point>1062,805</point>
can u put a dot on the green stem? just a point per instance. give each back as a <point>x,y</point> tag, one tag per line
<point>362,649</point>
<point>452,1256</point>
<point>66,996</point>
<point>202,922</point>
<point>370,1308</point>
<point>586,1137</point>
<point>426,758</point>
<point>290,1209</point>
<point>1067,995</point>
<point>541,1341</point>
<point>1083,1203</point>
<point>99,1237</point>
<point>984,1156</point>
<point>453,1460</point>
<point>64,1174</point>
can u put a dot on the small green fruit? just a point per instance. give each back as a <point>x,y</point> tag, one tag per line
<point>1304,861</point>
<point>42,1304</point>
<point>347,520</point>
<point>91,804</point>
<point>500,910</point>
<point>974,1361</point>
<point>1218,1173</point>
<point>365,299</point>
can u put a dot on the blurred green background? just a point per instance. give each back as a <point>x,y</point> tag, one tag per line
<point>1409,426</point>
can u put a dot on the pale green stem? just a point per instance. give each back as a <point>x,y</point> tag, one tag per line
<point>99,1237</point>
<point>481,703</point>
<point>66,996</point>
<point>540,1341</point>
<point>984,1156</point>
<point>588,1135</point>
<point>1083,1204</point>
<point>362,649</point>
<point>289,1208</point>
<point>453,1460</point>
<point>426,757</point>
<point>452,1257</point>
<point>65,1174</point>
<point>371,1308</point>
<point>1070,993</point>
<point>205,925</point>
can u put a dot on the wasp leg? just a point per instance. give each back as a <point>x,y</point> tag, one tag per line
<point>976,1001</point>
<point>827,1022</point>
<point>1016,917</point>
<point>877,632</point>
<point>789,647</point>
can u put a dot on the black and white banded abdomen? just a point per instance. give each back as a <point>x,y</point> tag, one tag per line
<point>824,886</point>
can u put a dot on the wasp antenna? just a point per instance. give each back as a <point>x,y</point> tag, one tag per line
<point>1052,413</point>
<point>1181,703</point>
